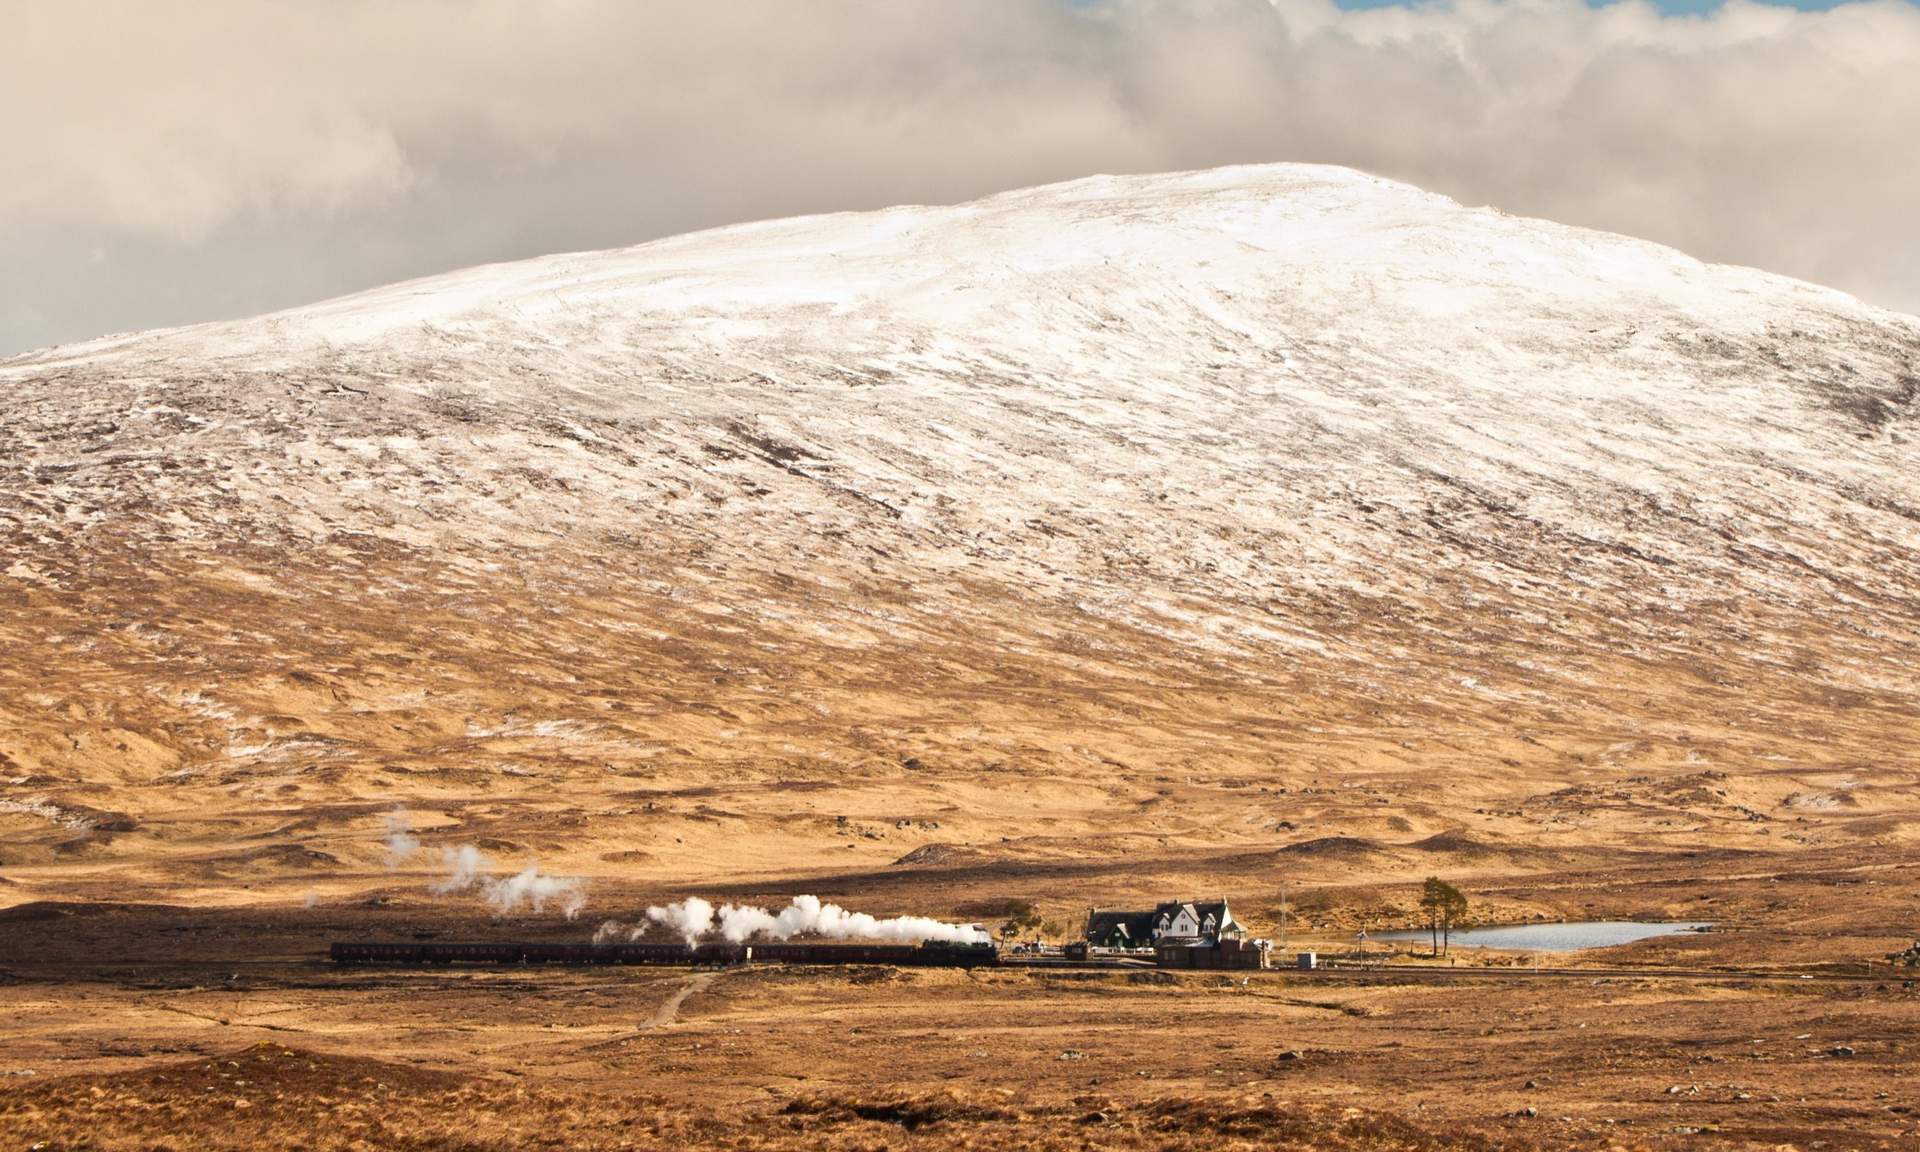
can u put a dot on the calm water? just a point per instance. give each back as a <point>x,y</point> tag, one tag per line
<point>1554,937</point>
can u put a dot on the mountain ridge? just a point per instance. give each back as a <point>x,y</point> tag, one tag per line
<point>1097,189</point>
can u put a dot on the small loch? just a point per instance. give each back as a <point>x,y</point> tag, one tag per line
<point>1569,937</point>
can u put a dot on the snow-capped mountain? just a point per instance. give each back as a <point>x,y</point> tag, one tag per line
<point>1291,426</point>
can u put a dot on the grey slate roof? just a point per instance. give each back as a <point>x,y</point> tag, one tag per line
<point>1108,928</point>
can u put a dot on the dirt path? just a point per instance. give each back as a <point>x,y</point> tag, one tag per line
<point>667,1013</point>
<point>669,1010</point>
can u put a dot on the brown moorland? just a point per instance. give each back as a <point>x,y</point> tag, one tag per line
<point>1204,558</point>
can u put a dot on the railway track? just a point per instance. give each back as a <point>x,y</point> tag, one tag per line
<point>311,970</point>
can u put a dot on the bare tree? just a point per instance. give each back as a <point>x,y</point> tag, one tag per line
<point>1444,905</point>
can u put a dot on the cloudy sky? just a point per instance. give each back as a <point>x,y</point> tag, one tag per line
<point>166,161</point>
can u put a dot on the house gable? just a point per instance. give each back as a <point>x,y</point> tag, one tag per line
<point>1197,919</point>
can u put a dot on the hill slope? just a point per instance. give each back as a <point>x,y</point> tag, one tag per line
<point>1086,511</point>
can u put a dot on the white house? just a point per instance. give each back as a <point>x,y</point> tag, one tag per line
<point>1196,920</point>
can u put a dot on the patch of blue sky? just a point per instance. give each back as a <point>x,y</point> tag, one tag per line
<point>1671,7</point>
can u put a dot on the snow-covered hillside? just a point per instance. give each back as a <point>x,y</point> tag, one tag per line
<point>1269,413</point>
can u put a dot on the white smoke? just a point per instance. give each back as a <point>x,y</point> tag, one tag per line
<point>465,868</point>
<point>611,931</point>
<point>693,918</point>
<point>530,886</point>
<point>401,842</point>
<point>469,868</point>
<point>464,865</point>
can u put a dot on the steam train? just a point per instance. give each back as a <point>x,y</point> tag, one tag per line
<point>933,954</point>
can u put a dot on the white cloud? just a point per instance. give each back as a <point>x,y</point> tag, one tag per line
<point>243,156</point>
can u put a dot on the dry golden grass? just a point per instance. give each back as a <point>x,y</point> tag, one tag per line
<point>235,736</point>
<point>272,1096</point>
<point>201,760</point>
<point>188,1055</point>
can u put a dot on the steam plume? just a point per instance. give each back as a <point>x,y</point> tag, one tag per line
<point>401,842</point>
<point>465,868</point>
<point>693,918</point>
<point>464,865</point>
<point>468,868</point>
<point>531,886</point>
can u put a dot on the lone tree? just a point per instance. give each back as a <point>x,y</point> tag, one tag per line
<point>1444,904</point>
